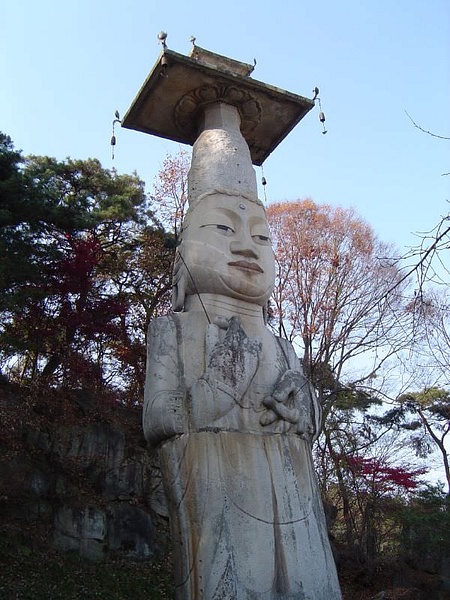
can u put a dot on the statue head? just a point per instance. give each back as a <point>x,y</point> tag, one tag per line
<point>224,249</point>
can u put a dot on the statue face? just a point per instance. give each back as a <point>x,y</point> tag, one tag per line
<point>227,249</point>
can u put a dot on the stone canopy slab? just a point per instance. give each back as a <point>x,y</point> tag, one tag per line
<point>169,104</point>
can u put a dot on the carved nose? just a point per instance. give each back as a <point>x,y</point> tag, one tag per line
<point>243,250</point>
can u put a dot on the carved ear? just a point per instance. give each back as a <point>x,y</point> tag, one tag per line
<point>178,284</point>
<point>178,293</point>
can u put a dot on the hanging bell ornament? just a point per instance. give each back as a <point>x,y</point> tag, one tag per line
<point>322,120</point>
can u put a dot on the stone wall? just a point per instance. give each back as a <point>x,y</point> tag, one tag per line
<point>77,479</point>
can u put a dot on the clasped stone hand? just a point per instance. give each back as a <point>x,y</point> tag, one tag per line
<point>289,404</point>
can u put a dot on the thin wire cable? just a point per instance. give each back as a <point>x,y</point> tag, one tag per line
<point>195,287</point>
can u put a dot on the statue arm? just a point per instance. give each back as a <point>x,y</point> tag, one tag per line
<point>170,408</point>
<point>164,414</point>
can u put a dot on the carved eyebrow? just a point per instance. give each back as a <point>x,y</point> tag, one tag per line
<point>259,226</point>
<point>218,216</point>
<point>218,225</point>
<point>258,220</point>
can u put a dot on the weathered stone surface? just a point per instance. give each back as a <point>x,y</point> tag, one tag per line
<point>81,530</point>
<point>131,531</point>
<point>95,440</point>
<point>180,84</point>
<point>94,532</point>
<point>216,149</point>
<point>85,485</point>
<point>227,402</point>
<point>101,451</point>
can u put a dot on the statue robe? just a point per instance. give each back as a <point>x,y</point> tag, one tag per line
<point>245,512</point>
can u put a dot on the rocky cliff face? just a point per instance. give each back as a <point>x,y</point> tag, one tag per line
<point>76,474</point>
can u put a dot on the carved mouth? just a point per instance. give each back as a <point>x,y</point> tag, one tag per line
<point>248,266</point>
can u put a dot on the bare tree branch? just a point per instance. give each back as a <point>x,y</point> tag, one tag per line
<point>441,137</point>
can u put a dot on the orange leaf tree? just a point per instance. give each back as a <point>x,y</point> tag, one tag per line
<point>337,294</point>
<point>340,300</point>
<point>170,191</point>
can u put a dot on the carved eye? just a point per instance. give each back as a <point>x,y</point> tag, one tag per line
<point>221,228</point>
<point>227,230</point>
<point>264,240</point>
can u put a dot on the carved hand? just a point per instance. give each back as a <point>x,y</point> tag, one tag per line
<point>231,365</point>
<point>234,361</point>
<point>290,404</point>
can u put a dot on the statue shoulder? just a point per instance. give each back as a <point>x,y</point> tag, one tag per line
<point>162,334</point>
<point>288,350</point>
<point>169,330</point>
<point>162,325</point>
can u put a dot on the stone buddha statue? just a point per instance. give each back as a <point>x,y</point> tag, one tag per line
<point>227,403</point>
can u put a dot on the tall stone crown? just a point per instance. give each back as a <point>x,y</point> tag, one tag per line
<point>221,158</point>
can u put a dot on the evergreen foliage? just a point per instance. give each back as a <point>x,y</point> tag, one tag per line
<point>85,266</point>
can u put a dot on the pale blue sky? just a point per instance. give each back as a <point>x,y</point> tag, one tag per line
<point>66,67</point>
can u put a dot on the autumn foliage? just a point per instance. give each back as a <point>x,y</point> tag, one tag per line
<point>333,290</point>
<point>377,477</point>
<point>100,271</point>
<point>86,265</point>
